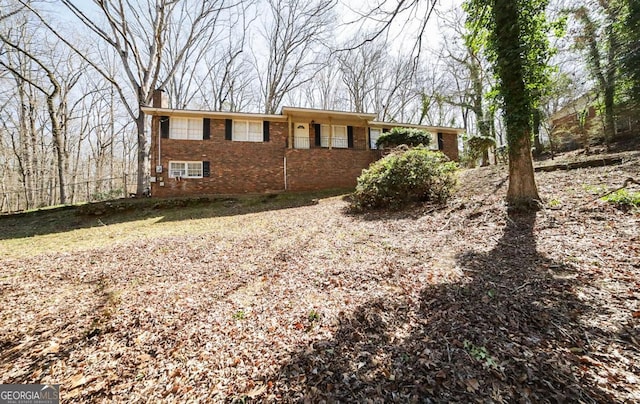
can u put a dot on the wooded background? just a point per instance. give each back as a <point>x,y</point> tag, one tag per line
<point>74,74</point>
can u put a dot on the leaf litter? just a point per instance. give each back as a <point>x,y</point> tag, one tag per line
<point>462,303</point>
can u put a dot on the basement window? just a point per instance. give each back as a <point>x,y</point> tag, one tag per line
<point>185,169</point>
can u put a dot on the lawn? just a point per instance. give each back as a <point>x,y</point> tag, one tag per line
<point>292,298</point>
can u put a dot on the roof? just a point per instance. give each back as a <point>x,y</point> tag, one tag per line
<point>211,114</point>
<point>331,116</point>
<point>327,113</point>
<point>411,125</point>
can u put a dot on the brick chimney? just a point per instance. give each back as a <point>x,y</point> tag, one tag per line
<point>160,99</point>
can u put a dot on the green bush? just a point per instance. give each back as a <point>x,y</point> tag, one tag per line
<point>408,136</point>
<point>401,177</point>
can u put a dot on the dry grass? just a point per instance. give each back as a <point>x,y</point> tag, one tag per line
<point>69,228</point>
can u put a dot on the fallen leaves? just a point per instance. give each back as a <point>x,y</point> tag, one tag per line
<point>312,304</point>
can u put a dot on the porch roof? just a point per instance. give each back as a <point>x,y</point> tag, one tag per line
<point>326,114</point>
<point>431,129</point>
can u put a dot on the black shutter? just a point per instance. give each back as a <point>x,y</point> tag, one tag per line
<point>440,141</point>
<point>317,130</point>
<point>206,129</point>
<point>265,131</point>
<point>164,127</point>
<point>228,129</point>
<point>206,169</point>
<point>350,137</point>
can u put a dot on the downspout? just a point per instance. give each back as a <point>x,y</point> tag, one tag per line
<point>290,132</point>
<point>159,144</point>
<point>285,173</point>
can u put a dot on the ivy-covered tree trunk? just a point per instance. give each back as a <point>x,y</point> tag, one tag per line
<point>604,54</point>
<point>509,66</point>
<point>632,57</point>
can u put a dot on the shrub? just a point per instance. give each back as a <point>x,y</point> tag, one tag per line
<point>408,136</point>
<point>107,195</point>
<point>401,177</point>
<point>479,146</point>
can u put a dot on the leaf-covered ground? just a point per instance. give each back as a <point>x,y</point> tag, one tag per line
<point>465,303</point>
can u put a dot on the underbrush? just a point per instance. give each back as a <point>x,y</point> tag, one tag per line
<point>624,198</point>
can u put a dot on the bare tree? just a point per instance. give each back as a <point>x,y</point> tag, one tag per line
<point>361,70</point>
<point>19,124</point>
<point>397,90</point>
<point>54,80</point>
<point>214,63</point>
<point>143,35</point>
<point>296,30</point>
<point>224,79</point>
<point>468,67</point>
<point>325,91</point>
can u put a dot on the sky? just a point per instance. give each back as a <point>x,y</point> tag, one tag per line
<point>402,32</point>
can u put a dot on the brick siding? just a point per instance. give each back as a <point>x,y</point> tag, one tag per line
<point>256,167</point>
<point>309,170</point>
<point>450,145</point>
<point>236,167</point>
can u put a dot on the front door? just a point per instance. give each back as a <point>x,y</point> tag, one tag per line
<point>301,135</point>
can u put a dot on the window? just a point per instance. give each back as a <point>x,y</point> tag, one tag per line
<point>185,128</point>
<point>185,169</point>
<point>247,131</point>
<point>374,134</point>
<point>339,139</point>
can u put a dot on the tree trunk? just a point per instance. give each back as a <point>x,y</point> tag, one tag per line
<point>522,190</point>
<point>58,145</point>
<point>27,115</point>
<point>142,153</point>
<point>609,113</point>
<point>537,144</point>
<point>485,158</point>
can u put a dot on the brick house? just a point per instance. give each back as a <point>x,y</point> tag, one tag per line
<point>210,152</point>
<point>573,125</point>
